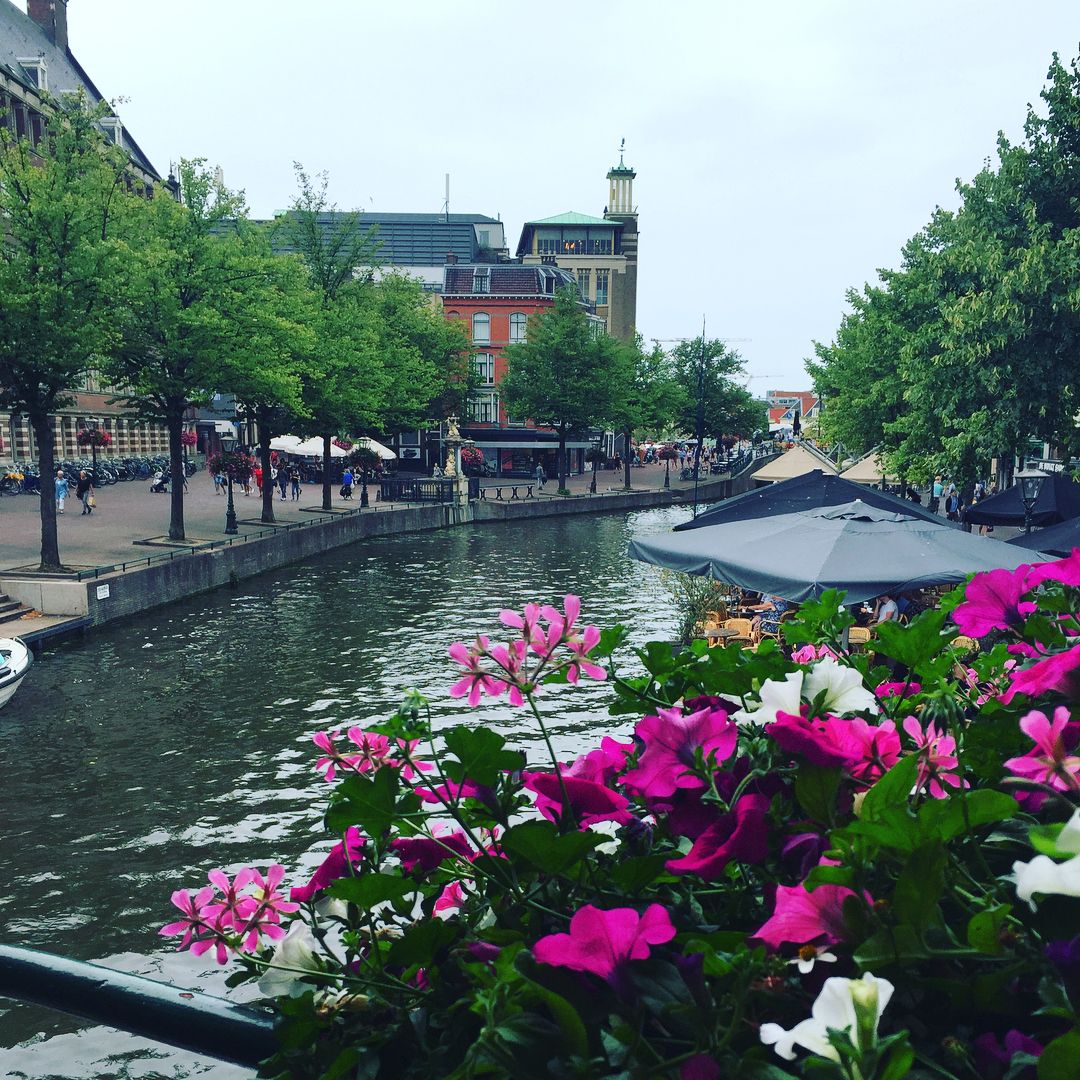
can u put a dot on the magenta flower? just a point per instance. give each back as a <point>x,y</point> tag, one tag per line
<point>450,901</point>
<point>451,790</point>
<point>427,852</point>
<point>1066,570</point>
<point>992,602</point>
<point>334,759</point>
<point>603,942</point>
<point>336,865</point>
<point>476,682</point>
<point>816,741</point>
<point>589,801</point>
<point>1058,673</point>
<point>604,764</point>
<point>897,689</point>
<point>740,834</point>
<point>700,1067</point>
<point>807,654</point>
<point>800,917</point>
<point>581,647</point>
<point>527,623</point>
<point>511,658</point>
<point>874,750</point>
<point>937,759</point>
<point>233,907</point>
<point>194,922</point>
<point>271,904</point>
<point>1050,762</point>
<point>672,741</point>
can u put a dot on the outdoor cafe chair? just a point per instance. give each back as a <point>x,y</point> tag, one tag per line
<point>858,635</point>
<point>743,626</point>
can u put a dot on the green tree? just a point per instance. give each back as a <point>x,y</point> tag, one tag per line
<point>651,396</point>
<point>198,306</point>
<point>565,375</point>
<point>58,269</point>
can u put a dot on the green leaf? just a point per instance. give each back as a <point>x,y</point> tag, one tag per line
<point>912,645</point>
<point>815,788</point>
<point>920,885</point>
<point>421,942</point>
<point>892,792</point>
<point>898,1064</point>
<point>565,1015</point>
<point>480,751</point>
<point>367,890</point>
<point>949,818</point>
<point>895,945</point>
<point>610,640</point>
<point>539,844</point>
<point>830,875</point>
<point>1044,839</point>
<point>984,929</point>
<point>632,875</point>
<point>368,803</point>
<point>1058,1059</point>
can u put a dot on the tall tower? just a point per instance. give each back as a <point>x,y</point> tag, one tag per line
<point>624,286</point>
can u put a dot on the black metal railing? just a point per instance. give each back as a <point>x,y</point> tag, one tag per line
<point>166,1014</point>
<point>494,492</point>
<point>417,489</point>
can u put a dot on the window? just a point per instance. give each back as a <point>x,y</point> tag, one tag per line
<point>481,282</point>
<point>484,366</point>
<point>547,246</point>
<point>114,130</point>
<point>35,70</point>
<point>601,247</point>
<point>583,283</point>
<point>484,408</point>
<point>485,238</point>
<point>481,327</point>
<point>602,287</point>
<point>518,323</point>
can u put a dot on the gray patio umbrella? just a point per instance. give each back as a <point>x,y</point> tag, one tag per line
<point>865,550</point>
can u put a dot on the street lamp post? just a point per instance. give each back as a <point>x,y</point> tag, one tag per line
<point>92,423</point>
<point>228,442</point>
<point>1031,485</point>
<point>363,485</point>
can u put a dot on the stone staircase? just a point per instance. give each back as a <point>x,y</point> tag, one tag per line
<point>11,611</point>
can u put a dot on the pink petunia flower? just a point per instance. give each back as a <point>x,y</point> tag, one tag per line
<point>589,801</point>
<point>1059,673</point>
<point>992,602</point>
<point>603,942</point>
<point>604,764</point>
<point>937,759</point>
<point>897,689</point>
<point>740,834</point>
<point>451,790</point>
<point>450,901</point>
<point>336,865</point>
<point>875,749</point>
<point>427,852</point>
<point>477,681</point>
<point>800,916</point>
<point>1066,570</point>
<point>672,741</point>
<point>1050,762</point>
<point>812,739</point>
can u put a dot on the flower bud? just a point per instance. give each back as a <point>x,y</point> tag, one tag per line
<point>864,996</point>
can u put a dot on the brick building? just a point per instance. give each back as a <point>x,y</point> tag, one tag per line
<point>496,301</point>
<point>35,64</point>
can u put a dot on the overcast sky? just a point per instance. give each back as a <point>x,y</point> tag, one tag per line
<point>784,150</point>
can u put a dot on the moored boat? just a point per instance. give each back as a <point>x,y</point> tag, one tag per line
<point>15,661</point>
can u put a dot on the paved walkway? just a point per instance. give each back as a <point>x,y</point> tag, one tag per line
<point>128,512</point>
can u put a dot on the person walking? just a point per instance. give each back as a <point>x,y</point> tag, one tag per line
<point>84,491</point>
<point>541,476</point>
<point>294,480</point>
<point>282,480</point>
<point>61,483</point>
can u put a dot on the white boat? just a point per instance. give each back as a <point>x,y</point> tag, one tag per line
<point>15,661</point>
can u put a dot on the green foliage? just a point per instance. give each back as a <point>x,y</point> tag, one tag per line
<point>730,409</point>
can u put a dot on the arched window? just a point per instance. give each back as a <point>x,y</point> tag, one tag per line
<point>518,321</point>
<point>481,327</point>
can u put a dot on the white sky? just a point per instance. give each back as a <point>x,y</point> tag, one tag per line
<point>784,150</point>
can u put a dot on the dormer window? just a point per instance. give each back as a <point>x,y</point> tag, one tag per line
<point>481,282</point>
<point>35,70</point>
<point>114,129</point>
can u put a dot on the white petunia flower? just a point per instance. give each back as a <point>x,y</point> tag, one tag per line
<point>851,1005</point>
<point>1043,875</point>
<point>1068,841</point>
<point>843,688</point>
<point>607,828</point>
<point>297,950</point>
<point>775,696</point>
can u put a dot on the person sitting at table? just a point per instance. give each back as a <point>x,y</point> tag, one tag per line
<point>768,619</point>
<point>885,610</point>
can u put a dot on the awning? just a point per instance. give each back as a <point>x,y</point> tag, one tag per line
<point>794,462</point>
<point>571,444</point>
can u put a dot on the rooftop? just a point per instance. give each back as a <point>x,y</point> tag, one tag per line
<point>572,217</point>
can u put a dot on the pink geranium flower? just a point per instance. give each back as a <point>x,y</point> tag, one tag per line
<point>581,647</point>
<point>992,602</point>
<point>336,865</point>
<point>937,759</point>
<point>672,741</point>
<point>740,834</point>
<point>476,681</point>
<point>231,906</point>
<point>1066,570</point>
<point>589,801</point>
<point>1050,762</point>
<point>194,922</point>
<point>511,658</point>
<point>807,654</point>
<point>528,622</point>
<point>1059,673</point>
<point>334,759</point>
<point>800,916</point>
<point>603,942</point>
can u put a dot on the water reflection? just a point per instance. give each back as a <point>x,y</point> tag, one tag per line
<point>139,758</point>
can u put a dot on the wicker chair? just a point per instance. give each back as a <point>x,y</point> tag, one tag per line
<point>963,643</point>
<point>858,636</point>
<point>744,627</point>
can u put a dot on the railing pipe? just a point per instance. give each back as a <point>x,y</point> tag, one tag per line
<point>192,1021</point>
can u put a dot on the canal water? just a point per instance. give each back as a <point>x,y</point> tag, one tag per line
<point>139,758</point>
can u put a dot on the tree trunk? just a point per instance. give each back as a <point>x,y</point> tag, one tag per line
<point>326,496</point>
<point>562,457</point>
<point>50,545</point>
<point>627,435</point>
<point>264,463</point>
<point>175,423</point>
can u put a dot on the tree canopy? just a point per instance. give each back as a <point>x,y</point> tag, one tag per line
<point>729,408</point>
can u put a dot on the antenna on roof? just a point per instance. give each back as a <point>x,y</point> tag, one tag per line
<point>622,147</point>
<point>446,204</point>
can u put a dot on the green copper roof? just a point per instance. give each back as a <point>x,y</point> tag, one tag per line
<point>572,217</point>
